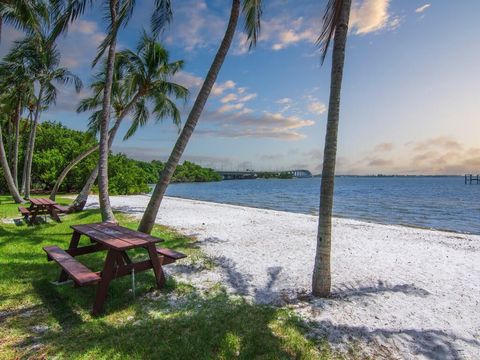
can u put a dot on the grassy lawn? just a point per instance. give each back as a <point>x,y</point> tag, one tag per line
<point>41,320</point>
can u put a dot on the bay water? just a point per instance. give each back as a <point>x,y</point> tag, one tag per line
<point>443,203</point>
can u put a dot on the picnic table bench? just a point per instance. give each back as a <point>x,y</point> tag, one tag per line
<point>116,240</point>
<point>39,207</point>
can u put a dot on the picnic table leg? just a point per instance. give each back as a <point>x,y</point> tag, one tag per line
<point>53,213</point>
<point>73,245</point>
<point>108,273</point>
<point>157,266</point>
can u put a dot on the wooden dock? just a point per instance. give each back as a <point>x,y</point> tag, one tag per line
<point>472,179</point>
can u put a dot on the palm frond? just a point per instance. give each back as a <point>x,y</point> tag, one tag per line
<point>140,118</point>
<point>331,17</point>
<point>252,11</point>
<point>161,16</point>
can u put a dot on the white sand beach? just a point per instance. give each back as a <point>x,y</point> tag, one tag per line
<point>400,292</point>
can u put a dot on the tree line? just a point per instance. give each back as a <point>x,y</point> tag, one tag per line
<point>129,80</point>
<point>57,145</point>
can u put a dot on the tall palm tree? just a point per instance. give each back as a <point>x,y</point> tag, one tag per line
<point>141,77</point>
<point>6,171</point>
<point>42,59</point>
<point>17,86</point>
<point>118,12</point>
<point>252,11</point>
<point>335,25</point>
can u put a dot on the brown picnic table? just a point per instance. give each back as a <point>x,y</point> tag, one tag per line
<point>39,207</point>
<point>116,240</point>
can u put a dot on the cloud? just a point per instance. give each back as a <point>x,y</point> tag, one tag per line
<point>230,107</point>
<point>226,122</point>
<point>442,142</point>
<point>443,155</point>
<point>290,37</point>
<point>189,80</point>
<point>219,88</point>
<point>384,147</point>
<point>317,107</point>
<point>284,101</point>
<point>372,15</point>
<point>228,98</point>
<point>422,8</point>
<point>379,162</point>
<point>79,46</point>
<point>247,97</point>
<point>272,157</point>
<point>195,25</point>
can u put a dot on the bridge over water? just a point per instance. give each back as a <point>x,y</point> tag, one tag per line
<point>251,174</point>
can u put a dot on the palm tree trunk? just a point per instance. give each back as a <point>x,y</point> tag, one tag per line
<point>31,145</point>
<point>105,207</point>
<point>29,123</point>
<point>82,197</point>
<point>7,174</point>
<point>148,219</point>
<point>17,141</point>
<point>69,167</point>
<point>321,280</point>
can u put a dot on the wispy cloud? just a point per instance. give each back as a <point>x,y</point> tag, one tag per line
<point>317,107</point>
<point>223,123</point>
<point>195,25</point>
<point>422,8</point>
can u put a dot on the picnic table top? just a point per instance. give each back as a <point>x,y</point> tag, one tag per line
<point>42,202</point>
<point>115,236</point>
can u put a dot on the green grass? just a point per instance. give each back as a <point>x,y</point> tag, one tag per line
<point>41,320</point>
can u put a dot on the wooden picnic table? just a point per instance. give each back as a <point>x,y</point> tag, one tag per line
<point>41,206</point>
<point>116,240</point>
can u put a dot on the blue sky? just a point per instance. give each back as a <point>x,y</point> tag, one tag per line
<point>410,100</point>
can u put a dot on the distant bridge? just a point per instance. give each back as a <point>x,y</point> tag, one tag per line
<point>251,174</point>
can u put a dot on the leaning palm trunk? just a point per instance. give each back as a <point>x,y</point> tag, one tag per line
<point>31,145</point>
<point>104,199</point>
<point>148,219</point>
<point>29,124</point>
<point>321,281</point>
<point>6,172</point>
<point>69,167</point>
<point>82,197</point>
<point>18,114</point>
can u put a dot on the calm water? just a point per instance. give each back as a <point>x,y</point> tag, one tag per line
<point>432,202</point>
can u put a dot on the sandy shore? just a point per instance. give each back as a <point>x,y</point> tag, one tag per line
<point>406,293</point>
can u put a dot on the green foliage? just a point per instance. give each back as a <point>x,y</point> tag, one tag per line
<point>273,175</point>
<point>125,176</point>
<point>190,172</point>
<point>57,145</point>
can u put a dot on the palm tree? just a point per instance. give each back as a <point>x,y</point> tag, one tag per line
<point>42,59</point>
<point>6,171</point>
<point>252,12</point>
<point>119,13</point>
<point>17,86</point>
<point>141,77</point>
<point>22,14</point>
<point>335,25</point>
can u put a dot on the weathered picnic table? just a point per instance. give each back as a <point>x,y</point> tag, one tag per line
<point>116,240</point>
<point>41,206</point>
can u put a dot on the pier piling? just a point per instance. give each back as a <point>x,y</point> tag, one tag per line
<point>472,179</point>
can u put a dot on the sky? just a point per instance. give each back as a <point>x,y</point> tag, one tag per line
<point>410,97</point>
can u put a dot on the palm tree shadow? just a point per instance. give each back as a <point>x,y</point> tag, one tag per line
<point>426,343</point>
